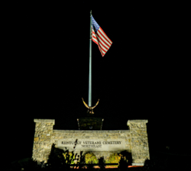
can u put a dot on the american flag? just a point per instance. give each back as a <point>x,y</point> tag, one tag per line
<point>100,38</point>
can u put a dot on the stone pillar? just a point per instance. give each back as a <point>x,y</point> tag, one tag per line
<point>139,141</point>
<point>42,139</point>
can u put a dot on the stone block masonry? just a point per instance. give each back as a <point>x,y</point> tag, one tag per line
<point>101,142</point>
<point>139,141</point>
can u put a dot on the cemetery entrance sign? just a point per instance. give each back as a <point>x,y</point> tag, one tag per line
<point>102,143</point>
<point>93,144</point>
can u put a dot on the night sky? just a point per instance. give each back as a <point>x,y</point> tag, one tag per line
<point>144,75</point>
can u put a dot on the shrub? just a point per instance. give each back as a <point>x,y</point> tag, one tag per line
<point>113,158</point>
<point>90,158</point>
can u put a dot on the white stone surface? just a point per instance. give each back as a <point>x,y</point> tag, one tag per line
<point>93,144</point>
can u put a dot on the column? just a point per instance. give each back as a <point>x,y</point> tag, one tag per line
<point>139,141</point>
<point>42,139</point>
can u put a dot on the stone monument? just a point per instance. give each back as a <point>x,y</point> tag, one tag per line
<point>102,143</point>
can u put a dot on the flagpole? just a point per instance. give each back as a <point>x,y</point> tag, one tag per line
<point>90,64</point>
<point>98,39</point>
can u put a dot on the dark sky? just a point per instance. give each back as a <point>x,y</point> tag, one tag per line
<point>144,75</point>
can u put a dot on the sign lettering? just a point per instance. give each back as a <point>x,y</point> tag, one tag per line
<point>93,144</point>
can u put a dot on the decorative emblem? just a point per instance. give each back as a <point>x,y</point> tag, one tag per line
<point>90,109</point>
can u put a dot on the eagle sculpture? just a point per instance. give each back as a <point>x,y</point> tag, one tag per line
<point>90,109</point>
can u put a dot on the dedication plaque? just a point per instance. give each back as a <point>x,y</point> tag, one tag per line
<point>92,144</point>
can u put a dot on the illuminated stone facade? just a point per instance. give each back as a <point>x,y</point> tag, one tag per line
<point>134,140</point>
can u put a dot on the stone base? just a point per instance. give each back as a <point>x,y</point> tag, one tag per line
<point>135,140</point>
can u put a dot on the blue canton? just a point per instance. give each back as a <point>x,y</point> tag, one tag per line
<point>95,24</point>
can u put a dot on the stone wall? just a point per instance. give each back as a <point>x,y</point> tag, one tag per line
<point>93,134</point>
<point>139,141</point>
<point>42,139</point>
<point>135,139</point>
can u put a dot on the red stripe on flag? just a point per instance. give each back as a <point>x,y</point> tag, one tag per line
<point>94,37</point>
<point>94,40</point>
<point>104,40</point>
<point>106,35</point>
<point>102,48</point>
<point>102,45</point>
